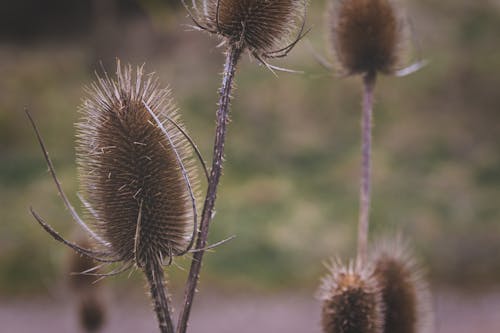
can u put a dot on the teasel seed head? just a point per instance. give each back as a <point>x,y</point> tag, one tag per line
<point>366,36</point>
<point>92,313</point>
<point>404,293</point>
<point>82,270</point>
<point>259,24</point>
<point>351,300</point>
<point>263,27</point>
<point>137,178</point>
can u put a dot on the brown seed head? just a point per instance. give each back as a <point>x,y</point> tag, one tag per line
<point>351,301</point>
<point>91,313</point>
<point>260,25</point>
<point>366,36</point>
<point>131,172</point>
<point>404,294</point>
<point>91,309</point>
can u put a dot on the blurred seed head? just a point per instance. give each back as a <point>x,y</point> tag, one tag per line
<point>366,35</point>
<point>404,293</point>
<point>351,300</point>
<point>92,313</point>
<point>128,167</point>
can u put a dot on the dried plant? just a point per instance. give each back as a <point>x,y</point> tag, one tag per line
<point>369,37</point>
<point>256,26</point>
<point>138,179</point>
<point>366,36</point>
<point>404,292</point>
<point>351,300</point>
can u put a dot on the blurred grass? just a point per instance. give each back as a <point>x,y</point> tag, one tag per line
<point>290,186</point>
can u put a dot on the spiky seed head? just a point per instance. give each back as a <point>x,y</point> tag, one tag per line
<point>366,35</point>
<point>351,300</point>
<point>78,263</point>
<point>131,172</point>
<point>404,293</point>
<point>91,313</point>
<point>260,25</point>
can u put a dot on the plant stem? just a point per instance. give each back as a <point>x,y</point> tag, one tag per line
<point>154,274</point>
<point>232,57</point>
<point>365,186</point>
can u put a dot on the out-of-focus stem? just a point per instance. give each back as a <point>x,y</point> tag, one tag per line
<point>365,186</point>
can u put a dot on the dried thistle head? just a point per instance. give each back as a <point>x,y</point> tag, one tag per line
<point>136,175</point>
<point>404,293</point>
<point>261,26</point>
<point>351,300</point>
<point>366,36</point>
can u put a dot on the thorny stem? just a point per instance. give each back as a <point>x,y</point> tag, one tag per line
<point>365,186</point>
<point>154,274</point>
<point>232,57</point>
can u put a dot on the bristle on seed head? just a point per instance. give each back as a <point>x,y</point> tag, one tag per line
<point>366,36</point>
<point>351,300</point>
<point>136,177</point>
<point>404,293</point>
<point>260,25</point>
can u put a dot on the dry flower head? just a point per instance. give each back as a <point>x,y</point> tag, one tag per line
<point>404,292</point>
<point>366,36</point>
<point>351,300</point>
<point>131,172</point>
<point>264,27</point>
<point>136,171</point>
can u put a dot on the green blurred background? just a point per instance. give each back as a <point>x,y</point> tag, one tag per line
<point>290,185</point>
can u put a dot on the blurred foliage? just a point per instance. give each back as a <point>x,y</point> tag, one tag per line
<point>290,186</point>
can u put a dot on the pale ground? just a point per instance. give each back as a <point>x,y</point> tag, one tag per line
<point>454,313</point>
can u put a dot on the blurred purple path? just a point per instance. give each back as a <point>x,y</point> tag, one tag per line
<point>455,313</point>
